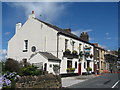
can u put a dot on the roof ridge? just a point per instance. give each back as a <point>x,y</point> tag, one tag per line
<point>63,31</point>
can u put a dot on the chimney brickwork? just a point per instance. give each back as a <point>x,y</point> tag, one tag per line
<point>84,36</point>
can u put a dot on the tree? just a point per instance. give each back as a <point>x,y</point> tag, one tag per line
<point>12,65</point>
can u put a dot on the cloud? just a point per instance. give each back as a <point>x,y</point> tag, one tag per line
<point>49,11</point>
<point>91,39</point>
<point>103,46</point>
<point>78,32</point>
<point>107,33</point>
<point>3,52</point>
<point>7,33</point>
<point>59,0</point>
<point>108,38</point>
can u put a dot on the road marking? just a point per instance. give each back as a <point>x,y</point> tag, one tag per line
<point>115,84</point>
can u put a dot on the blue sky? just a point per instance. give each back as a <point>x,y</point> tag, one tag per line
<point>100,19</point>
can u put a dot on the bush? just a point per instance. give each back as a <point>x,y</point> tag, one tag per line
<point>89,69</point>
<point>67,51</point>
<point>70,69</point>
<point>30,70</point>
<point>12,65</point>
<point>74,52</point>
<point>81,54</point>
<point>56,67</point>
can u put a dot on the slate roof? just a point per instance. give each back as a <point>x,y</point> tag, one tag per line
<point>62,31</point>
<point>49,56</point>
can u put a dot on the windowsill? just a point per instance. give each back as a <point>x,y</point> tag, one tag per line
<point>25,50</point>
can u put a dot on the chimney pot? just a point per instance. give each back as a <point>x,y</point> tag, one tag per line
<point>32,12</point>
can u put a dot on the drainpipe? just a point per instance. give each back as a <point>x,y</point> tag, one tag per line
<point>58,48</point>
<point>57,43</point>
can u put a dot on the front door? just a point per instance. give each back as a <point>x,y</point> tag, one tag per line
<point>79,69</point>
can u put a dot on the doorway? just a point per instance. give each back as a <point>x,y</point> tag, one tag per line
<point>79,69</point>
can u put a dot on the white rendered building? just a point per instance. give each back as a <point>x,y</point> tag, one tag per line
<point>44,45</point>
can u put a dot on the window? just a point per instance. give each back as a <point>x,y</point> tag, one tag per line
<point>50,65</point>
<point>84,65</point>
<point>73,43</point>
<point>25,45</point>
<point>88,64</point>
<point>75,64</point>
<point>69,64</point>
<point>66,44</point>
<point>80,48</point>
<point>25,62</point>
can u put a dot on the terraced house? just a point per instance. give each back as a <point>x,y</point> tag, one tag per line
<point>46,45</point>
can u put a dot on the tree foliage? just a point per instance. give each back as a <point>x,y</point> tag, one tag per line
<point>12,65</point>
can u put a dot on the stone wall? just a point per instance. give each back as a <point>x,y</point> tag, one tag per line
<point>42,81</point>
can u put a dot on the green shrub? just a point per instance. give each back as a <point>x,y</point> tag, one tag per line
<point>89,69</point>
<point>72,69</point>
<point>12,65</point>
<point>74,52</point>
<point>68,69</point>
<point>67,51</point>
<point>81,54</point>
<point>30,70</point>
<point>56,67</point>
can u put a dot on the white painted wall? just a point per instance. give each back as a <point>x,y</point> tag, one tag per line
<point>37,34</point>
<point>44,39</point>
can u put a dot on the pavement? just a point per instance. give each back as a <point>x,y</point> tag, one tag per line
<point>104,81</point>
<point>107,80</point>
<point>69,81</point>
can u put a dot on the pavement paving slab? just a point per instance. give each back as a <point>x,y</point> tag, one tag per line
<point>69,81</point>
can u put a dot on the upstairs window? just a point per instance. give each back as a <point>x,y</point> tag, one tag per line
<point>80,48</point>
<point>75,64</point>
<point>25,45</point>
<point>66,44</point>
<point>73,44</point>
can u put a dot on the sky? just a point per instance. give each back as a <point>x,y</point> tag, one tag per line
<point>99,19</point>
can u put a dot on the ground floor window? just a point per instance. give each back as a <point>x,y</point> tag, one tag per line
<point>45,67</point>
<point>24,62</point>
<point>69,64</point>
<point>75,64</point>
<point>88,64</point>
<point>84,65</point>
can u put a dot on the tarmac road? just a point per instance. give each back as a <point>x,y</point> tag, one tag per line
<point>107,80</point>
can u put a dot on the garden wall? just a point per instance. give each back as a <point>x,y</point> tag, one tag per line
<point>42,81</point>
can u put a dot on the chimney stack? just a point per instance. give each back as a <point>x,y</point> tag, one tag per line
<point>67,30</point>
<point>84,36</point>
<point>31,15</point>
<point>18,26</point>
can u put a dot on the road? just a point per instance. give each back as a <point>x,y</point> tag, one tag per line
<point>104,81</point>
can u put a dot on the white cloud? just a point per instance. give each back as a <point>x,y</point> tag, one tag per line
<point>91,39</point>
<point>107,33</point>
<point>78,32</point>
<point>103,46</point>
<point>59,0</point>
<point>3,52</point>
<point>49,11</point>
<point>108,38</point>
<point>7,33</point>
